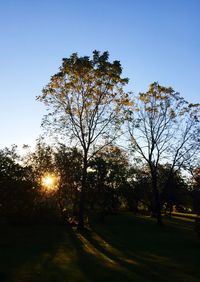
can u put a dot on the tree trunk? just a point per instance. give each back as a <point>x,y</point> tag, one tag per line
<point>81,214</point>
<point>157,199</point>
<point>170,208</point>
<point>159,216</point>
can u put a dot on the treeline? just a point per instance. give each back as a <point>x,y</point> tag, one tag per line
<point>113,184</point>
<point>88,107</point>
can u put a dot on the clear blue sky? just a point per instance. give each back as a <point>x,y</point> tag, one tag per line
<point>154,40</point>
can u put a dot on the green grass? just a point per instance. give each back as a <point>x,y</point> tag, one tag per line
<point>122,248</point>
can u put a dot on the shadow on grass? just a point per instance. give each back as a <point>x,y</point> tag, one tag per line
<point>123,248</point>
<point>153,254</point>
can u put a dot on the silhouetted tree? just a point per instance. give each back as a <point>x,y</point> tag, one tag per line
<point>16,187</point>
<point>137,190</point>
<point>173,188</point>
<point>106,179</point>
<point>68,163</point>
<point>41,162</point>
<point>195,189</point>
<point>163,128</point>
<point>86,101</point>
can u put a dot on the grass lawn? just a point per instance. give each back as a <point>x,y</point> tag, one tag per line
<point>122,248</point>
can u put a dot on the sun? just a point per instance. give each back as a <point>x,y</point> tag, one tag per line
<point>49,181</point>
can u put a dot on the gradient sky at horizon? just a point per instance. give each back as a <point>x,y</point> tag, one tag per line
<point>157,40</point>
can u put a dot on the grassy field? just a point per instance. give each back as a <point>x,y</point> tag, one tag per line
<point>122,248</point>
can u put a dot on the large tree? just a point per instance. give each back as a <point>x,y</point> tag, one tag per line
<point>86,102</point>
<point>164,128</point>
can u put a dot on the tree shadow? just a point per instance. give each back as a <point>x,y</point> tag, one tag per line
<point>126,251</point>
<point>54,253</point>
<point>155,256</point>
<point>95,263</point>
<point>126,266</point>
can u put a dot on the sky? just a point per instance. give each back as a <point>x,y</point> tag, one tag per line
<point>157,40</point>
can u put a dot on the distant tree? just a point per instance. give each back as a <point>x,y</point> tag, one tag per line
<point>195,189</point>
<point>106,180</point>
<point>41,160</point>
<point>86,102</point>
<point>174,189</point>
<point>196,177</point>
<point>16,187</point>
<point>41,163</point>
<point>164,129</point>
<point>137,190</point>
<point>68,164</point>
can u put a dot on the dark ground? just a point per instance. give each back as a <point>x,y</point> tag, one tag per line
<point>122,248</point>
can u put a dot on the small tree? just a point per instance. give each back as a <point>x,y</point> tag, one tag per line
<point>86,101</point>
<point>164,129</point>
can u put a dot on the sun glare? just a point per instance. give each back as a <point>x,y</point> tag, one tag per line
<point>49,181</point>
